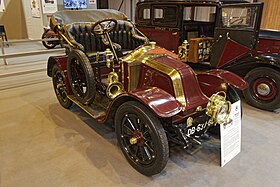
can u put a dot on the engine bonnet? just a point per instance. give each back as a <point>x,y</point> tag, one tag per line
<point>185,84</point>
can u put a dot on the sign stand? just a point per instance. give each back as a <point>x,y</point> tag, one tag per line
<point>231,135</point>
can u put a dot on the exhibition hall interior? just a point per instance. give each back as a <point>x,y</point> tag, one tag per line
<point>140,93</point>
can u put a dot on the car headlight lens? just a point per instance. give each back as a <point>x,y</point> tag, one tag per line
<point>223,113</point>
<point>218,108</point>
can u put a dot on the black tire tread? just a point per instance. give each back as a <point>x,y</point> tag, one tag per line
<point>78,54</point>
<point>157,127</point>
<point>68,102</point>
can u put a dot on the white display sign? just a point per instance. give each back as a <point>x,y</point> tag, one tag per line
<point>2,6</point>
<point>92,2</point>
<point>35,9</point>
<point>231,135</point>
<point>49,6</point>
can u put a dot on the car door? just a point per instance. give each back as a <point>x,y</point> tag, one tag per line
<point>160,23</point>
<point>236,32</point>
<point>165,24</point>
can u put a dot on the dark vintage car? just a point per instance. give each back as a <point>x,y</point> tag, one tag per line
<point>217,35</point>
<point>112,72</point>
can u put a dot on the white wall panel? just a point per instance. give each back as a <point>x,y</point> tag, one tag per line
<point>34,25</point>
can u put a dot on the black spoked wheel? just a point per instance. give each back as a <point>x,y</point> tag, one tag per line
<point>142,138</point>
<point>264,88</point>
<point>81,77</point>
<point>60,87</point>
<point>48,44</point>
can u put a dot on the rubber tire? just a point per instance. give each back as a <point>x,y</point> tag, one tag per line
<point>90,93</point>
<point>45,44</point>
<point>232,96</point>
<point>67,103</point>
<point>158,135</point>
<point>258,73</point>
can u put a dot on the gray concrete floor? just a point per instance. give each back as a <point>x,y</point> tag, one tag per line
<point>43,144</point>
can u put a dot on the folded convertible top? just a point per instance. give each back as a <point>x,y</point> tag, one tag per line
<point>69,16</point>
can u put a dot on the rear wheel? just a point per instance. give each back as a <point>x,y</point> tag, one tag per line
<point>264,87</point>
<point>142,138</point>
<point>81,76</point>
<point>60,87</point>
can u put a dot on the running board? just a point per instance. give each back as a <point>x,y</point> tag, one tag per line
<point>95,111</point>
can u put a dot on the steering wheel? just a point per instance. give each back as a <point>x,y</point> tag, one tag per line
<point>104,26</point>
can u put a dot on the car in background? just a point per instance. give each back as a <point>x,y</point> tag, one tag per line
<point>223,35</point>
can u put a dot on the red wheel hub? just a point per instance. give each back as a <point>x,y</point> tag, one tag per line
<point>137,138</point>
<point>265,88</point>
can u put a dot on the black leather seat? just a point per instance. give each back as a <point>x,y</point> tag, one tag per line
<point>81,35</point>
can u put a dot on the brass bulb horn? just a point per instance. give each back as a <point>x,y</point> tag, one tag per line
<point>114,88</point>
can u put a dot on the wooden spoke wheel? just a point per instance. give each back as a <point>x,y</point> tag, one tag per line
<point>142,138</point>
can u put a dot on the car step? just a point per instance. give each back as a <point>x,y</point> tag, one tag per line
<point>93,110</point>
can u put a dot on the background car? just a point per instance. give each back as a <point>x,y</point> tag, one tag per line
<point>219,36</point>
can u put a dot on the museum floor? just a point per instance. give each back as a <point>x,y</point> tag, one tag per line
<point>43,144</point>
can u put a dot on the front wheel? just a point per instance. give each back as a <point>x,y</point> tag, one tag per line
<point>141,138</point>
<point>264,87</point>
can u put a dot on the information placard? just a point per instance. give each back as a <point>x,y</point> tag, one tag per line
<point>231,135</point>
<point>49,6</point>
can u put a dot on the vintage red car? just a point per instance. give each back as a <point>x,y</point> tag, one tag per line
<point>113,72</point>
<point>229,38</point>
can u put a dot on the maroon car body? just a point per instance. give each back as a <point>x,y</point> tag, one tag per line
<point>113,73</point>
<point>238,43</point>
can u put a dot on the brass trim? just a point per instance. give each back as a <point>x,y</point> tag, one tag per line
<point>224,86</point>
<point>122,66</point>
<point>133,140</point>
<point>199,109</point>
<point>175,77</point>
<point>128,77</point>
<point>81,106</point>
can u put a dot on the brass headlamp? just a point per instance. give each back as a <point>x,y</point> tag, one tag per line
<point>218,108</point>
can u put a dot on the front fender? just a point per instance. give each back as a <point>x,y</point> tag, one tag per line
<point>261,60</point>
<point>159,101</point>
<point>213,81</point>
<point>272,59</point>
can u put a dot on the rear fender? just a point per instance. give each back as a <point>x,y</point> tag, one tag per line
<point>217,80</point>
<point>61,61</point>
<point>157,100</point>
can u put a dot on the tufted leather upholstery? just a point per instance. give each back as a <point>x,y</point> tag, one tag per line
<point>81,35</point>
<point>126,36</point>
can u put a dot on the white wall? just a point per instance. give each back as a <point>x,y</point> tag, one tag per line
<point>34,26</point>
<point>13,20</point>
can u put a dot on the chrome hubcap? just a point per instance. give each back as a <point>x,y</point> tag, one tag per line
<point>263,89</point>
